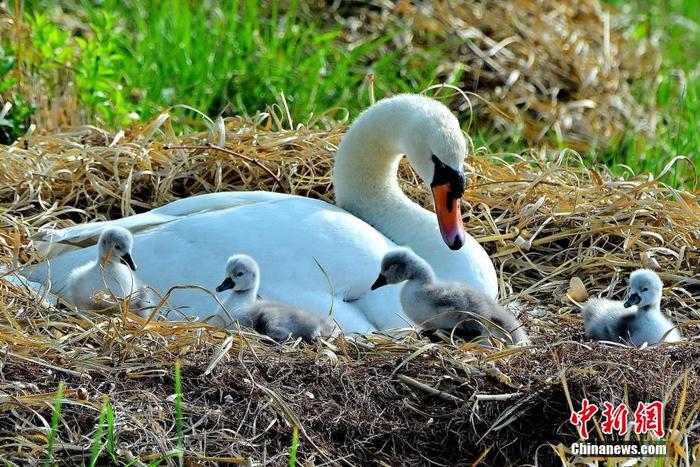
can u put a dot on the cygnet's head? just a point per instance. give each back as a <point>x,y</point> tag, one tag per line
<point>645,289</point>
<point>400,265</point>
<point>115,245</point>
<point>242,274</point>
<point>436,150</point>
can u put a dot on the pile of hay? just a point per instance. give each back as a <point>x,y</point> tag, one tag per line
<point>557,71</point>
<point>378,400</point>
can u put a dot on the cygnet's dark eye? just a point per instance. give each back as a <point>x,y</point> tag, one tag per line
<point>645,289</point>
<point>117,247</point>
<point>239,274</point>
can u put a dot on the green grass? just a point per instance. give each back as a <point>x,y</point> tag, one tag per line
<point>178,415</point>
<point>676,26</point>
<point>236,57</point>
<point>295,445</point>
<point>97,441</point>
<point>228,57</point>
<point>55,417</point>
<point>106,419</point>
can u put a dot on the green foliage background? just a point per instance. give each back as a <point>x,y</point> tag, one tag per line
<point>234,56</point>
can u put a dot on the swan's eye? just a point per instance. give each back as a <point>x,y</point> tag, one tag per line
<point>645,289</point>
<point>239,274</point>
<point>117,247</point>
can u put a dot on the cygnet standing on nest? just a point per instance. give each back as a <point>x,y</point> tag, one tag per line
<point>111,271</point>
<point>609,320</point>
<point>445,306</point>
<point>276,320</point>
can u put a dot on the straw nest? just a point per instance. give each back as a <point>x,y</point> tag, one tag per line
<point>379,400</point>
<point>554,70</point>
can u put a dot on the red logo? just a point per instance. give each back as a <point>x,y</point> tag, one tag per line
<point>582,416</point>
<point>648,417</point>
<point>614,419</point>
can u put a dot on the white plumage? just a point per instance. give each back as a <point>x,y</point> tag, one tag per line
<point>313,254</point>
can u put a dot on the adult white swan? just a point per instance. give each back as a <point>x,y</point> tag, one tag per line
<point>188,241</point>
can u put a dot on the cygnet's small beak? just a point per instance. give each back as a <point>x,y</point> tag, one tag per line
<point>226,284</point>
<point>380,282</point>
<point>129,261</point>
<point>632,300</point>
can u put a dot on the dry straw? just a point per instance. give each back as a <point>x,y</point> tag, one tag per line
<point>544,218</point>
<point>555,69</point>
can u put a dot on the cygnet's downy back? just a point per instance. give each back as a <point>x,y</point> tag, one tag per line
<point>276,320</point>
<point>281,322</point>
<point>606,320</point>
<point>446,306</point>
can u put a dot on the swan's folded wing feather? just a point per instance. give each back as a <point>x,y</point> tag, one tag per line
<point>55,245</point>
<point>53,242</point>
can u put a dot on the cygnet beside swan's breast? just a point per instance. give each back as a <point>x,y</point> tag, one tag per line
<point>615,321</point>
<point>276,320</point>
<point>444,305</point>
<point>111,272</point>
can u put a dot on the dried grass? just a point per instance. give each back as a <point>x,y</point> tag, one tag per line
<point>554,70</point>
<point>544,220</point>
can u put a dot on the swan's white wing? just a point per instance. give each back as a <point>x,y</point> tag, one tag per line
<point>50,242</point>
<point>39,290</point>
<point>188,242</point>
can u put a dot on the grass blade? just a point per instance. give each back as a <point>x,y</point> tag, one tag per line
<point>99,432</point>
<point>178,414</point>
<point>293,450</point>
<point>109,415</point>
<point>54,425</point>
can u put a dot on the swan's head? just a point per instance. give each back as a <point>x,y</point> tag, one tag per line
<point>428,134</point>
<point>115,245</point>
<point>645,289</point>
<point>401,264</point>
<point>242,274</point>
<point>436,151</point>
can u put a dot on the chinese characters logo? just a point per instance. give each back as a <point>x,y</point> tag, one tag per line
<point>648,418</point>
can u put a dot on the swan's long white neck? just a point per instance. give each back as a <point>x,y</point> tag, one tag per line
<point>364,175</point>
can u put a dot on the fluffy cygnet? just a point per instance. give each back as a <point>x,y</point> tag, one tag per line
<point>445,305</point>
<point>111,272</point>
<point>277,320</point>
<point>609,320</point>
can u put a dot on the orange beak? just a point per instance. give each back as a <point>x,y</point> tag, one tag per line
<point>449,216</point>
